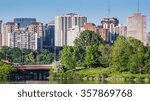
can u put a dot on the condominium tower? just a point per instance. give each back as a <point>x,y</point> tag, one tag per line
<point>8,28</point>
<point>36,27</point>
<point>24,39</point>
<point>136,27</point>
<point>110,23</point>
<point>63,24</point>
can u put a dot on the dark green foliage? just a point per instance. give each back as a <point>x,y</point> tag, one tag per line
<point>45,57</point>
<point>16,55</point>
<point>4,51</point>
<point>26,56</point>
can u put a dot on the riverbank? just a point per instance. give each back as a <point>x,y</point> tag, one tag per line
<point>101,74</point>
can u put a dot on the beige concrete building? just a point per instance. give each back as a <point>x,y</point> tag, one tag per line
<point>120,30</point>
<point>24,39</point>
<point>63,24</point>
<point>136,27</point>
<point>8,28</point>
<point>36,27</point>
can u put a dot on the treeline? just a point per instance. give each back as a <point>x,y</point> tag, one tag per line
<point>26,56</point>
<point>90,51</point>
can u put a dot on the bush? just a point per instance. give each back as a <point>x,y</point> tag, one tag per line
<point>6,71</point>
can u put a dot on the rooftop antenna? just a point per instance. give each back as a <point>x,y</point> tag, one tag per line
<point>108,8</point>
<point>138,6</point>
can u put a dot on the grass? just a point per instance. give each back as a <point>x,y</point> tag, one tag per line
<point>100,74</point>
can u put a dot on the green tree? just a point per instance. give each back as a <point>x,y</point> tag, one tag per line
<point>91,56</point>
<point>5,51</point>
<point>137,58</point>
<point>67,57</point>
<point>120,54</point>
<point>16,55</point>
<point>147,60</point>
<point>104,58</point>
<point>88,38</point>
<point>26,51</point>
<point>29,59</point>
<point>78,56</point>
<point>45,57</point>
<point>6,71</point>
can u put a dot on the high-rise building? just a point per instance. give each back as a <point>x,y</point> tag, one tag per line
<point>110,23</point>
<point>8,28</point>
<point>24,39</point>
<point>136,27</point>
<point>36,27</point>
<point>120,30</point>
<point>63,24</point>
<point>0,26</point>
<point>49,35</point>
<point>0,33</point>
<point>24,22</point>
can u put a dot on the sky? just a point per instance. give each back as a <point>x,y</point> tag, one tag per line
<point>46,10</point>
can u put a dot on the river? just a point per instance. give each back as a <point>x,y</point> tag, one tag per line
<point>71,82</point>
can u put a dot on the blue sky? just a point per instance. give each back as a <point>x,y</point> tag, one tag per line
<point>46,10</point>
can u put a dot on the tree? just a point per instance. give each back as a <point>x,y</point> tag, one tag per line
<point>6,71</point>
<point>120,54</point>
<point>67,57</point>
<point>26,51</point>
<point>78,56</point>
<point>29,59</point>
<point>5,51</point>
<point>91,56</point>
<point>16,55</point>
<point>45,57</point>
<point>147,60</point>
<point>88,38</point>
<point>104,58</point>
<point>137,58</point>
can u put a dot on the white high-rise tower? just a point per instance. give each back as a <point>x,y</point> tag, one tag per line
<point>63,24</point>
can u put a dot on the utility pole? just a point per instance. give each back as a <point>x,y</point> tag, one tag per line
<point>110,36</point>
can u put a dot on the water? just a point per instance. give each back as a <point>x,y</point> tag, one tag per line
<point>71,82</point>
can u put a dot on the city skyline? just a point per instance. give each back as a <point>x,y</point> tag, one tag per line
<point>46,10</point>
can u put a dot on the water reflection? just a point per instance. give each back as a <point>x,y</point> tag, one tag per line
<point>71,82</point>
